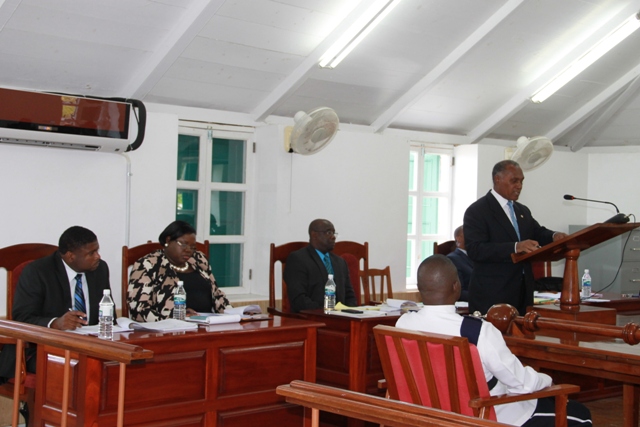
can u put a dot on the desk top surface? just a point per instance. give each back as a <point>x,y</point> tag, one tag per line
<point>276,323</point>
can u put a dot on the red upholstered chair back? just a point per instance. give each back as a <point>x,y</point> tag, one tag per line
<point>438,371</point>
<point>280,254</point>
<point>15,258</point>
<point>131,254</point>
<point>353,264</point>
<point>361,252</point>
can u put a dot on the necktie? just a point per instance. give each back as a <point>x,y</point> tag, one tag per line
<point>327,263</point>
<point>78,297</point>
<point>514,220</point>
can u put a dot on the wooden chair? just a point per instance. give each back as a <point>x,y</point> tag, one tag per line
<point>374,276</point>
<point>445,372</point>
<point>444,248</point>
<point>134,253</point>
<point>14,259</point>
<point>280,254</point>
<point>358,252</point>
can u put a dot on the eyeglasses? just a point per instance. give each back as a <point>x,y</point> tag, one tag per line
<point>329,233</point>
<point>184,246</point>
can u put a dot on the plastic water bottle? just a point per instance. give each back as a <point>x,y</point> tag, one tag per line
<point>586,284</point>
<point>330,294</point>
<point>180,302</point>
<point>105,329</point>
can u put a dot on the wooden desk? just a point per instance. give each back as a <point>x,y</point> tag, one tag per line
<point>622,304</point>
<point>221,375</point>
<point>585,354</point>
<point>347,353</point>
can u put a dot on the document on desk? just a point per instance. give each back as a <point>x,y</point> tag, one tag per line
<point>166,325</point>
<point>214,318</point>
<point>362,315</point>
<point>124,324</point>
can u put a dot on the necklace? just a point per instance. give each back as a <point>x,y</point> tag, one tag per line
<point>180,269</point>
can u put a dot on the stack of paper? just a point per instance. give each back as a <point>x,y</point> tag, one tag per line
<point>214,318</point>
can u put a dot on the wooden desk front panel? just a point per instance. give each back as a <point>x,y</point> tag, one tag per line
<point>224,377</point>
<point>347,352</point>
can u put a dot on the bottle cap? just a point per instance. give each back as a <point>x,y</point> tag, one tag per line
<point>586,271</point>
<point>106,292</point>
<point>180,283</point>
<point>331,276</point>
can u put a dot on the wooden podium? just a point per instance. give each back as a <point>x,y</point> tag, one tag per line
<point>569,248</point>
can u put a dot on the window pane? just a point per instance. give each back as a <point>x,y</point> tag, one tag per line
<point>187,206</point>
<point>188,157</point>
<point>227,213</point>
<point>413,173</point>
<point>426,249</point>
<point>411,224</point>
<point>429,215</point>
<point>431,172</point>
<point>411,244</point>
<point>227,164</point>
<point>226,264</point>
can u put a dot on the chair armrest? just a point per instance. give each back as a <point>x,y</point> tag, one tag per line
<point>554,390</point>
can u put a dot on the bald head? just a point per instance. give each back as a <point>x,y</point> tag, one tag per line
<point>438,281</point>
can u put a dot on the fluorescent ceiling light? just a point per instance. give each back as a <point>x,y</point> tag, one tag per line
<point>592,55</point>
<point>357,32</point>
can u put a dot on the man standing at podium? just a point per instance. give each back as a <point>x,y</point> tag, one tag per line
<point>496,226</point>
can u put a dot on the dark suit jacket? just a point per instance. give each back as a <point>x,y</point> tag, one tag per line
<point>490,240</point>
<point>306,275</point>
<point>465,266</point>
<point>43,292</point>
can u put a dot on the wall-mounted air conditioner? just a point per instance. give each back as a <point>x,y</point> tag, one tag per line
<point>69,121</point>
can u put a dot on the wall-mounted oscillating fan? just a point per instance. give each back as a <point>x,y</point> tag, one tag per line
<point>531,153</point>
<point>311,132</point>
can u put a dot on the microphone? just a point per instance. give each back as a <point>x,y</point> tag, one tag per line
<point>618,218</point>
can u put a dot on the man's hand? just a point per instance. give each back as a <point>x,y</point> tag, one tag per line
<point>559,235</point>
<point>526,246</point>
<point>71,320</point>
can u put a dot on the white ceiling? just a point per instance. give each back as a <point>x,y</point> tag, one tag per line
<point>453,67</point>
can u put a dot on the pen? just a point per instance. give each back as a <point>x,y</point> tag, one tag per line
<point>79,317</point>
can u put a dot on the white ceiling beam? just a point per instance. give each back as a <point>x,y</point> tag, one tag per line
<point>169,49</point>
<point>7,7</point>
<point>294,80</point>
<point>596,102</point>
<point>425,83</point>
<point>521,99</point>
<point>595,124</point>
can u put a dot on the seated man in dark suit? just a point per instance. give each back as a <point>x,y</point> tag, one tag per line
<point>307,270</point>
<point>462,262</point>
<point>60,291</point>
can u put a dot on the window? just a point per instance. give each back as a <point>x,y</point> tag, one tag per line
<point>213,195</point>
<point>429,210</point>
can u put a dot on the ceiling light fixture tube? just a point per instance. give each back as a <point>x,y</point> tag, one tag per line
<point>357,32</point>
<point>592,55</point>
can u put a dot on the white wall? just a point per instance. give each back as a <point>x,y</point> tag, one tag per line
<point>613,177</point>
<point>47,190</point>
<point>358,182</point>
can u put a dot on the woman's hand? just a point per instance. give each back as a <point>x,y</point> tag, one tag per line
<point>191,312</point>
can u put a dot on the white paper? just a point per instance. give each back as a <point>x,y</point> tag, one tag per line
<point>166,325</point>
<point>214,318</point>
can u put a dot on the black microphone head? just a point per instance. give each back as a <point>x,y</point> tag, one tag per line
<point>619,218</point>
<point>568,197</point>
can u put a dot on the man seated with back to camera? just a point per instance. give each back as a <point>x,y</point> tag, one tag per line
<point>307,270</point>
<point>439,288</point>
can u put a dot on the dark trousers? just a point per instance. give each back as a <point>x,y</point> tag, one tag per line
<point>578,415</point>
